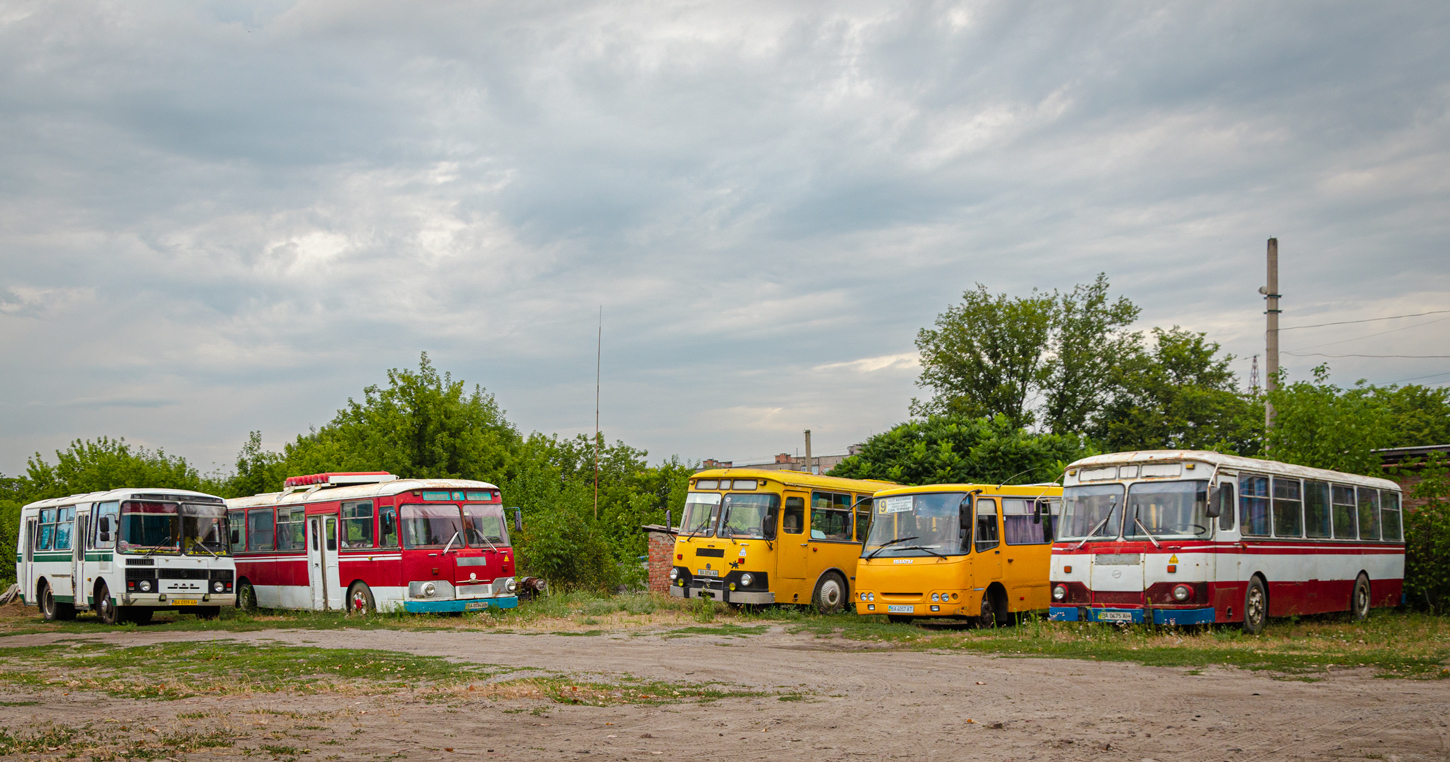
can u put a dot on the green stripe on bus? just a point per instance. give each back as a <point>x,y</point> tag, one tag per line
<point>106,556</point>
<point>51,557</point>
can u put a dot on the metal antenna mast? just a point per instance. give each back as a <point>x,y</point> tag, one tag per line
<point>598,357</point>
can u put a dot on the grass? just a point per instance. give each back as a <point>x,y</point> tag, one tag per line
<point>105,744</point>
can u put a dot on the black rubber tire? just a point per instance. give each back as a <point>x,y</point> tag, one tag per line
<point>137,615</point>
<point>831,594</point>
<point>45,601</point>
<point>106,607</point>
<point>1360,600</point>
<point>1256,606</point>
<point>246,596</point>
<point>900,618</point>
<point>360,600</point>
<point>991,615</point>
<point>208,612</point>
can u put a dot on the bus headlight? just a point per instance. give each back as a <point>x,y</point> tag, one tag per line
<point>1059,593</point>
<point>511,585</point>
<point>863,596</point>
<point>870,596</point>
<point>746,580</point>
<point>429,589</point>
<point>217,586</point>
<point>674,573</point>
<point>145,585</point>
<point>1182,593</point>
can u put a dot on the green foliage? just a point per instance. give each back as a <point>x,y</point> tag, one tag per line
<point>1178,395</point>
<point>942,449</point>
<point>107,464</point>
<point>1418,415</point>
<point>1427,535</point>
<point>1089,341</point>
<point>1319,424</point>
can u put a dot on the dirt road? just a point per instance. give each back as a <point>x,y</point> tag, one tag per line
<point>859,703</point>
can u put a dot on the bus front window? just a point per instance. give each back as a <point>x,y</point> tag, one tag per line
<point>748,516</point>
<point>1095,510</point>
<point>916,525</point>
<point>701,508</point>
<point>1165,509</point>
<point>204,529</point>
<point>485,526</point>
<point>432,526</point>
<point>150,527</point>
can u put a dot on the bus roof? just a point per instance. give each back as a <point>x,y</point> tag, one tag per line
<point>1232,462</point>
<point>124,493</point>
<point>1021,490</point>
<point>794,478</point>
<point>352,492</point>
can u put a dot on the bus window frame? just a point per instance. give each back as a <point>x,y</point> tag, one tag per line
<point>785,512</point>
<point>978,524</point>
<point>830,511</point>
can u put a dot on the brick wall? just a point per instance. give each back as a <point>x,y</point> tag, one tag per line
<point>661,559</point>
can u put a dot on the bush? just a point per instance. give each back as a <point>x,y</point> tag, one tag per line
<point>567,548</point>
<point>1427,538</point>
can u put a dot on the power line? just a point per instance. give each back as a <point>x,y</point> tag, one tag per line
<point>1383,357</point>
<point>1366,320</point>
<point>1419,378</point>
<point>1381,333</point>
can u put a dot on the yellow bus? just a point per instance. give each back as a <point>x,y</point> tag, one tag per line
<point>958,550</point>
<point>753,536</point>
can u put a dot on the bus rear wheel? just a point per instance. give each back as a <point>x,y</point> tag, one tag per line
<point>360,599</point>
<point>246,596</point>
<point>1359,603</point>
<point>830,597</point>
<point>105,606</point>
<point>1256,607</point>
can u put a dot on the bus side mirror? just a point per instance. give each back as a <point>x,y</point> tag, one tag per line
<point>1038,506</point>
<point>772,517</point>
<point>1212,509</point>
<point>964,514</point>
<point>518,519</point>
<point>104,528</point>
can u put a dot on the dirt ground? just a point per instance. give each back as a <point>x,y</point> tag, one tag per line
<point>859,703</point>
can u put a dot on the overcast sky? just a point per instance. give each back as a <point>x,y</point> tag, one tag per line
<point>219,217</point>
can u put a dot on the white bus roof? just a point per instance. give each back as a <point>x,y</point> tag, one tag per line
<point>1232,463</point>
<point>125,493</point>
<point>352,492</point>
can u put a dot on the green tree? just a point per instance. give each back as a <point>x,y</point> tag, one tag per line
<point>258,470</point>
<point>1419,415</point>
<point>105,464</point>
<point>1178,394</point>
<point>1427,535</point>
<point>1319,424</point>
<point>942,449</point>
<point>1090,341</point>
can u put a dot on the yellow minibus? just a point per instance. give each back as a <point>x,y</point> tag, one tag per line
<point>958,550</point>
<point>755,536</point>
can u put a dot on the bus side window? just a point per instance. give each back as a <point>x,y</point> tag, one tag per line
<point>793,521</point>
<point>1390,515</point>
<point>104,521</point>
<point>65,519</point>
<point>1316,509</point>
<point>986,524</point>
<point>237,531</point>
<point>387,527</point>
<point>1345,527</point>
<point>1369,514</point>
<point>260,529</point>
<point>1254,505</point>
<point>357,524</point>
<point>863,519</point>
<point>1226,506</point>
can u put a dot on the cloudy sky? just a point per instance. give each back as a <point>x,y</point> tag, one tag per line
<point>219,217</point>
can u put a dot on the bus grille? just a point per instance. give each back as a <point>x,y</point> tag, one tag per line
<point>1111,597</point>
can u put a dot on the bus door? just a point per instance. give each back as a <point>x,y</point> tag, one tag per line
<point>27,566</point>
<point>830,541</point>
<point>988,566</point>
<point>79,543</point>
<point>792,545</point>
<point>322,561</point>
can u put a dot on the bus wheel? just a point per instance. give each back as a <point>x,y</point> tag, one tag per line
<point>360,599</point>
<point>1359,604</point>
<point>830,597</point>
<point>207,612</point>
<point>1256,607</point>
<point>46,602</point>
<point>105,606</point>
<point>994,609</point>
<point>246,596</point>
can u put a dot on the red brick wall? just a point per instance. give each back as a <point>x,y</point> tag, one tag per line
<point>661,559</point>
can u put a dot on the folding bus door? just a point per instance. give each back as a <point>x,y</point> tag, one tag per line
<point>322,568</point>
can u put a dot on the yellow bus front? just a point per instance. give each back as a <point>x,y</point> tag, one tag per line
<point>958,550</point>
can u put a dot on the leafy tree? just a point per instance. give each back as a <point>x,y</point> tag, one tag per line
<point>1427,535</point>
<point>1178,394</point>
<point>11,499</point>
<point>1319,424</point>
<point>106,464</point>
<point>1089,342</point>
<point>943,449</point>
<point>258,471</point>
<point>1418,415</point>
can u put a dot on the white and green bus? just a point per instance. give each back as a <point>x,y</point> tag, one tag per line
<point>126,553</point>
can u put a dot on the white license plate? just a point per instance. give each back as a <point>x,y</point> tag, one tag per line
<point>475,605</point>
<point>183,601</point>
<point>708,573</point>
<point>901,609</point>
<point>1115,616</point>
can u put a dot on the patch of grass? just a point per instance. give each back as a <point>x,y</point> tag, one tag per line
<point>104,744</point>
<point>629,691</point>
<point>722,629</point>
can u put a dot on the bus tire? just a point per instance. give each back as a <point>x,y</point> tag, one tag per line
<point>246,596</point>
<point>45,601</point>
<point>1360,600</point>
<point>1256,606</point>
<point>994,608</point>
<point>360,599</point>
<point>830,597</point>
<point>105,606</point>
<point>207,612</point>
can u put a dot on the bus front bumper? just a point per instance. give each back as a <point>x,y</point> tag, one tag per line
<point>448,605</point>
<point>178,601</point>
<point>1130,616</point>
<point>716,590</point>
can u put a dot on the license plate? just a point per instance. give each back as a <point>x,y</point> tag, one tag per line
<point>183,601</point>
<point>901,609</point>
<point>475,605</point>
<point>708,573</point>
<point>1115,616</point>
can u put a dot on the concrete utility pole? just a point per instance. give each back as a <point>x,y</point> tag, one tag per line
<point>1271,334</point>
<point>808,451</point>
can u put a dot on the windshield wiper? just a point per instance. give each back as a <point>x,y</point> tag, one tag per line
<point>1101,524</point>
<point>203,546</point>
<point>1145,531</point>
<point>893,542</point>
<point>922,547</point>
<point>450,542</point>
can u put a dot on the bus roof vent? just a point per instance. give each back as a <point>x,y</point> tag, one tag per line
<point>339,479</point>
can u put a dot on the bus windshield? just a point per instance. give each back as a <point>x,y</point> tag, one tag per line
<point>701,509</point>
<point>204,529</point>
<point>747,516</point>
<point>917,525</point>
<point>1167,509</point>
<point>485,525</point>
<point>1095,509</point>
<point>432,526</point>
<point>150,527</point>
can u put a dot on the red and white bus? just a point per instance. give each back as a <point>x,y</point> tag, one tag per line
<point>1188,537</point>
<point>371,541</point>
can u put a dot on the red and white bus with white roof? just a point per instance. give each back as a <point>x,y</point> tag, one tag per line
<point>1188,537</point>
<point>371,541</point>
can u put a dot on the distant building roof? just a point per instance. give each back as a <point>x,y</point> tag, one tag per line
<point>1391,455</point>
